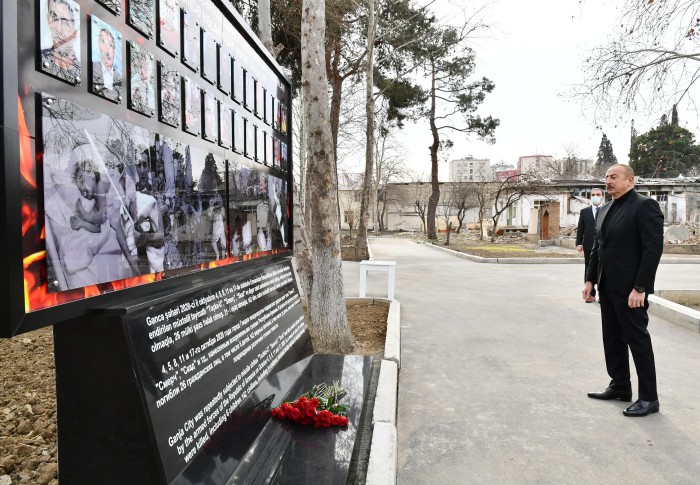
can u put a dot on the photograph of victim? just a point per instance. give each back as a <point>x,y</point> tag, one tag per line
<point>59,27</point>
<point>258,211</point>
<point>119,202</point>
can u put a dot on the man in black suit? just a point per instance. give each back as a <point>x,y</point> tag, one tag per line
<point>624,259</point>
<point>106,79</point>
<point>586,232</point>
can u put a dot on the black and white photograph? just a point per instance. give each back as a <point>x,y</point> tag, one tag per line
<point>211,117</point>
<point>209,57</point>
<point>111,5</point>
<point>190,41</point>
<point>224,70</point>
<point>250,135</point>
<point>258,213</point>
<point>194,189</point>
<point>169,90</point>
<point>141,16</point>
<point>59,28</point>
<point>238,81</point>
<point>142,80</point>
<point>225,125</point>
<point>169,26</point>
<point>106,59</point>
<point>238,132</point>
<point>193,106</point>
<point>103,223</point>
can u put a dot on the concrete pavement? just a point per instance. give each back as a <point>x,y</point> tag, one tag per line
<point>496,362</point>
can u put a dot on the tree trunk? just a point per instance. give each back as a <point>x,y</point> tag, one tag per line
<point>449,229</point>
<point>302,255</point>
<point>435,194</point>
<point>328,326</point>
<point>265,26</point>
<point>361,252</point>
<point>336,98</point>
<point>493,231</point>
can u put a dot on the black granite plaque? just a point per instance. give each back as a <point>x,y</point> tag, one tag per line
<point>199,355</point>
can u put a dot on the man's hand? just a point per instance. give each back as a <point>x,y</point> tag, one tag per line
<point>579,248</point>
<point>587,290</point>
<point>636,299</point>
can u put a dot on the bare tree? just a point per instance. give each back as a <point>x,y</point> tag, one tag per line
<point>447,209</point>
<point>652,63</point>
<point>464,199</point>
<point>328,326</point>
<point>506,193</point>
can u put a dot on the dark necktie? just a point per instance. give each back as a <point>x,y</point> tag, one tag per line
<point>595,213</point>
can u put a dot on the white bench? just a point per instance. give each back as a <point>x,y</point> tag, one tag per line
<point>386,266</point>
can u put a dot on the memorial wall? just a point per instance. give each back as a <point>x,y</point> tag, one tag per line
<point>148,145</point>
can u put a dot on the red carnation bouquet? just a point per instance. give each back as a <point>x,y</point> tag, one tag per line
<point>320,407</point>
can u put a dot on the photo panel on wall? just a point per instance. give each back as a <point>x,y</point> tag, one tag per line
<point>59,30</point>
<point>169,26</point>
<point>106,60</point>
<point>169,90</point>
<point>250,134</point>
<point>209,57</point>
<point>140,16</point>
<point>190,41</point>
<point>238,132</point>
<point>193,107</point>
<point>225,126</point>
<point>224,70</point>
<point>142,80</point>
<point>211,117</point>
<point>114,6</point>
<point>238,82</point>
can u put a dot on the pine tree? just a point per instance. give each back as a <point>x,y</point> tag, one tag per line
<point>665,151</point>
<point>605,157</point>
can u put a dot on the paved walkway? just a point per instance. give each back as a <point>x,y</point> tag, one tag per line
<point>496,363</point>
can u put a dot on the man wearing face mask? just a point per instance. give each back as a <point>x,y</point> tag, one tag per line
<point>586,233</point>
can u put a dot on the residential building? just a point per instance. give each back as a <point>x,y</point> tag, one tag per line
<point>470,169</point>
<point>539,165</point>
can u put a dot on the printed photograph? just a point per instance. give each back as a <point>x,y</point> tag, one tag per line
<point>277,154</point>
<point>257,213</point>
<point>103,222</point>
<point>142,81</point>
<point>238,132</point>
<point>211,117</point>
<point>190,41</point>
<point>169,26</point>
<point>169,89</point>
<point>283,119</point>
<point>238,82</point>
<point>269,109</point>
<point>193,107</point>
<point>225,126</point>
<point>106,57</point>
<point>59,29</point>
<point>268,147</point>
<point>224,70</point>
<point>283,156</point>
<point>209,57</point>
<point>194,190</point>
<point>278,114</point>
<point>141,16</point>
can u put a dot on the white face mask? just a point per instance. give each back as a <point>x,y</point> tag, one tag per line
<point>596,199</point>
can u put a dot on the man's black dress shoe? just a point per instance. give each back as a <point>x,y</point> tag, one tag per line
<point>610,393</point>
<point>642,408</point>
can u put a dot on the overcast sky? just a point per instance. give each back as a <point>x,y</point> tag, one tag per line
<point>534,52</point>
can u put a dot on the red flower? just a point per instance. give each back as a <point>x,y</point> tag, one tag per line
<point>314,402</point>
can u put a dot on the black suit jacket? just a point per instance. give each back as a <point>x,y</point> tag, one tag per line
<point>586,228</point>
<point>628,252</point>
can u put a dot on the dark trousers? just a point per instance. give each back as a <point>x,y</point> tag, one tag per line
<point>586,259</point>
<point>624,328</point>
